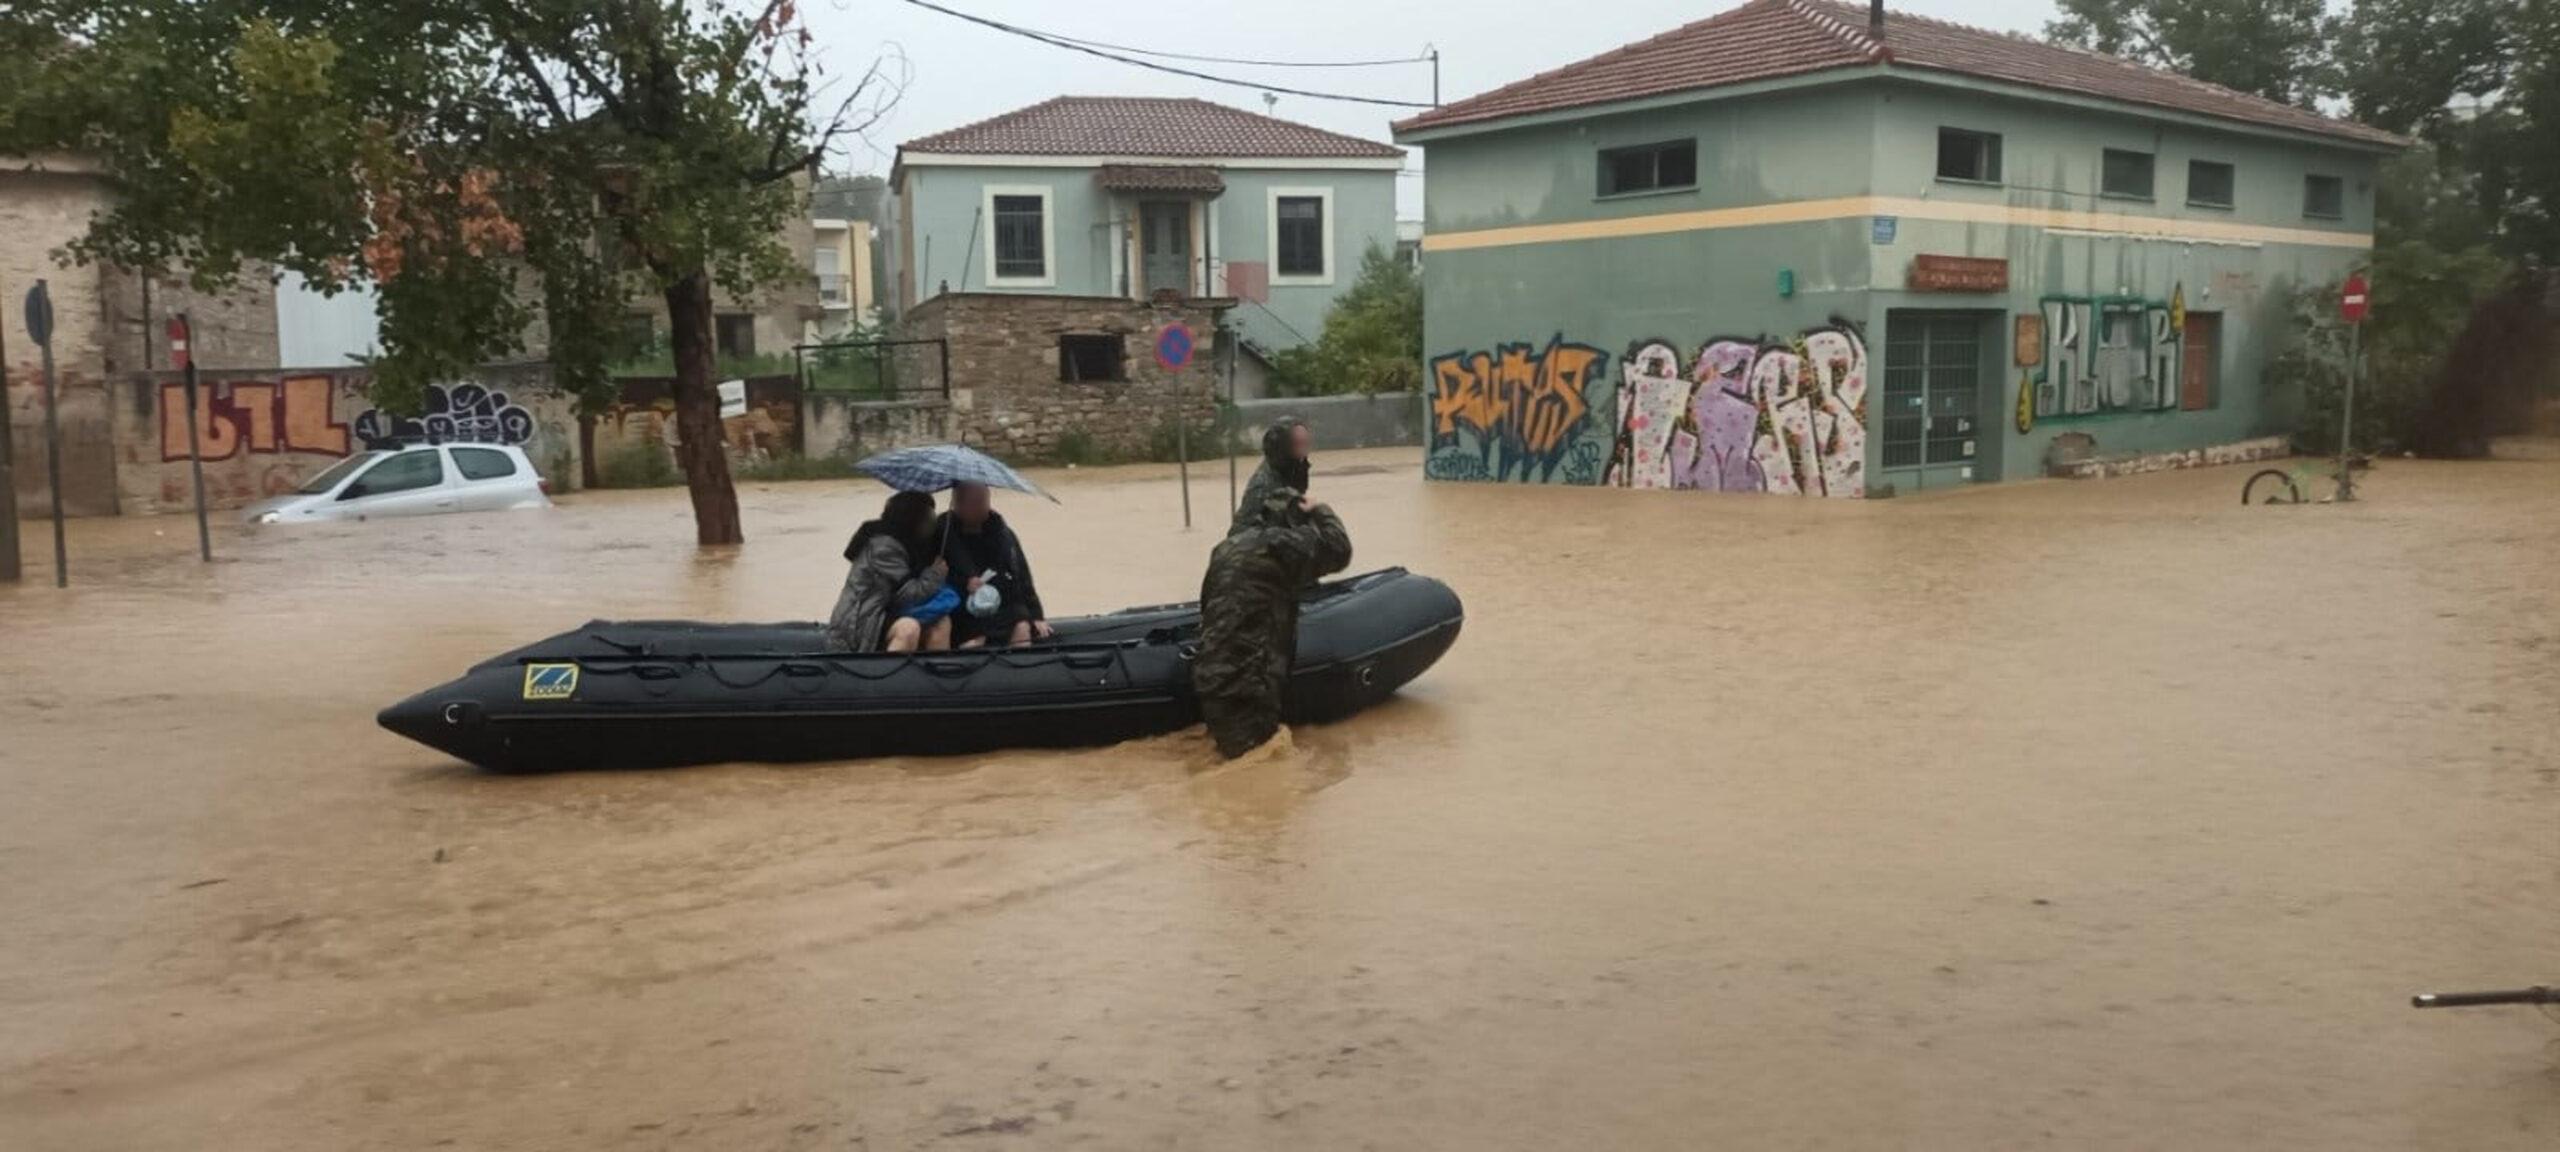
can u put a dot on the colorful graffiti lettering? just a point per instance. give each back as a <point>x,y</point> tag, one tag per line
<point>290,415</point>
<point>469,413</point>
<point>1521,406</point>
<point>1749,416</point>
<point>2109,354</point>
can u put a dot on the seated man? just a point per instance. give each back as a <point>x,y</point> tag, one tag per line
<point>983,554</point>
<point>1249,615</point>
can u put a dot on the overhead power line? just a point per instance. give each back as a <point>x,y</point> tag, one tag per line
<point>1397,62</point>
<point>1079,46</point>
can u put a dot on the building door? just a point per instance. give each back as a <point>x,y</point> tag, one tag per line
<point>1164,231</point>
<point>2204,358</point>
<point>1932,379</point>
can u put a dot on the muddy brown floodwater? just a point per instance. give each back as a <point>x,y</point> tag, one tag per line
<point>2093,816</point>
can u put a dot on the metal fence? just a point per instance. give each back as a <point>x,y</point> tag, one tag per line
<point>876,369</point>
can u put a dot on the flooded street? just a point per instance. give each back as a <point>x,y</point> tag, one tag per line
<point>2105,815</point>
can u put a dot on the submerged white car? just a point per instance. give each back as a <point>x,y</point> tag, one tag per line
<point>416,480</point>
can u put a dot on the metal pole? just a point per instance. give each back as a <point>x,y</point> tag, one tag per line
<point>1235,348</point>
<point>8,477</point>
<point>195,445</point>
<point>2347,416</point>
<point>1182,452</point>
<point>53,463</point>
<point>1435,77</point>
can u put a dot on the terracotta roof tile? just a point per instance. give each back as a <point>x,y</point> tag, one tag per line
<point>1768,39</point>
<point>1159,178</point>
<point>1146,126</point>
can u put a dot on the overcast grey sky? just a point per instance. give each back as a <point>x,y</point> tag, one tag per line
<point>962,72</point>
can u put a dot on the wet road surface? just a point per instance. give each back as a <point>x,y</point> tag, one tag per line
<point>2090,816</point>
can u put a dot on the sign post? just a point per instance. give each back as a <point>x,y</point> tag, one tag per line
<point>181,353</point>
<point>2351,307</point>
<point>40,327</point>
<point>1173,351</point>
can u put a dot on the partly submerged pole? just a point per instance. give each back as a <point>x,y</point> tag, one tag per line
<point>8,477</point>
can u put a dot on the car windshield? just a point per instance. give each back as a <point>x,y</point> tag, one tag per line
<point>329,478</point>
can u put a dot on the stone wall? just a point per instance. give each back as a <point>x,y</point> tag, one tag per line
<point>1006,395</point>
<point>264,432</point>
<point>2098,467</point>
<point>102,330</point>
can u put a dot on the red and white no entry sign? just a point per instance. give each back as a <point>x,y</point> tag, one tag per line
<point>179,354</point>
<point>2351,302</point>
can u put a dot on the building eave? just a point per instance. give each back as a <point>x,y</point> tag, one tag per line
<point>911,159</point>
<point>1908,73</point>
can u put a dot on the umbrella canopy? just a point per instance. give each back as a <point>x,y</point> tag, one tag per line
<point>934,467</point>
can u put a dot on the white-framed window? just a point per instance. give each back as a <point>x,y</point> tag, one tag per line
<point>1301,235</point>
<point>1022,236</point>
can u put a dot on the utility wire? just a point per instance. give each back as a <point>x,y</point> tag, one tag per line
<point>1073,46</point>
<point>1080,42</point>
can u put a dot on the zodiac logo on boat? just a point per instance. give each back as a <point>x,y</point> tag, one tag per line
<point>550,681</point>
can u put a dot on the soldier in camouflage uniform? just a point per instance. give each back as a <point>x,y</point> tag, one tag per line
<point>1249,614</point>
<point>1284,465</point>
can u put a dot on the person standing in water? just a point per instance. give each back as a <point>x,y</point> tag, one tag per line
<point>1285,446</point>
<point>1249,615</point>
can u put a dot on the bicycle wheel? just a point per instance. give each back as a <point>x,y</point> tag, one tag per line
<point>2271,486</point>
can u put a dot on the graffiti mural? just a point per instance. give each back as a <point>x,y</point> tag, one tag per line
<point>2107,354</point>
<point>1518,412</point>
<point>467,413</point>
<point>295,414</point>
<point>1747,416</point>
<point>1743,415</point>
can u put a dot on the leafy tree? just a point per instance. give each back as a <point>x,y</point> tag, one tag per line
<point>2273,48</point>
<point>1372,340</point>
<point>487,163</point>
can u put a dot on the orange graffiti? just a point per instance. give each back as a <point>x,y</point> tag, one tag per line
<point>1527,400</point>
<point>296,414</point>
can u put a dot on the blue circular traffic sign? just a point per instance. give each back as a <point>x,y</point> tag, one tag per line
<point>1173,345</point>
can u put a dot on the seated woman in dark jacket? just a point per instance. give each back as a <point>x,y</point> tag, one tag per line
<point>894,572</point>
<point>981,553</point>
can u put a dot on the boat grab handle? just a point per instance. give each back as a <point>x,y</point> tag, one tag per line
<point>1089,660</point>
<point>948,669</point>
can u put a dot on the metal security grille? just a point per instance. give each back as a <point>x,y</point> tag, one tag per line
<point>1933,364</point>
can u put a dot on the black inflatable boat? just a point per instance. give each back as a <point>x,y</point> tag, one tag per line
<point>656,693</point>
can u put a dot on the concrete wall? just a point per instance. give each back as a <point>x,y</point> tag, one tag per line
<point>1006,396</point>
<point>1386,420</point>
<point>1738,335</point>
<point>264,432</point>
<point>836,425</point>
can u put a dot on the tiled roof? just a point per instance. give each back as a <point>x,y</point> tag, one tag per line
<point>1159,178</point>
<point>1146,126</point>
<point>1769,39</point>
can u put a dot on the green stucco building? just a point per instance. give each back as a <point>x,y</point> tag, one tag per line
<point>1805,248</point>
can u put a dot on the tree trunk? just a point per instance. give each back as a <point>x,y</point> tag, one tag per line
<point>700,447</point>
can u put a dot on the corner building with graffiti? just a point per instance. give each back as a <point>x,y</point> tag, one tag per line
<point>1811,249</point>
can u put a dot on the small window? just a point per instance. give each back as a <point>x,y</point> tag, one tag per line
<point>735,334</point>
<point>2209,184</point>
<point>1649,168</point>
<point>2324,197</point>
<point>1301,234</point>
<point>1969,156</point>
<point>2125,174</point>
<point>1021,237</point>
<point>1086,358</point>
<point>483,464</point>
<point>405,472</point>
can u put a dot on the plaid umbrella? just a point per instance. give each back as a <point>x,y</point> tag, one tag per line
<point>934,467</point>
